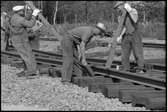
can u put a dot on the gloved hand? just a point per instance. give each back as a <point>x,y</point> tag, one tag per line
<point>119,39</point>
<point>35,12</point>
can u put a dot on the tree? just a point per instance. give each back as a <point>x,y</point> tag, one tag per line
<point>91,11</point>
<point>55,14</point>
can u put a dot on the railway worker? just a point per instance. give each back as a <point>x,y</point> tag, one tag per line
<point>5,32</point>
<point>19,36</point>
<point>131,39</point>
<point>73,45</point>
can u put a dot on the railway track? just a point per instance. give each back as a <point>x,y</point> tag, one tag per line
<point>101,62</point>
<point>145,44</point>
<point>96,61</point>
<point>145,89</point>
<point>104,44</point>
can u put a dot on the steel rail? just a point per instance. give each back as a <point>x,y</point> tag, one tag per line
<point>95,61</point>
<point>133,77</point>
<point>103,61</point>
<point>154,45</point>
<point>99,43</point>
<point>145,44</point>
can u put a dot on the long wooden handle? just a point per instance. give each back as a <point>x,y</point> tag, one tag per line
<point>44,21</point>
<point>89,70</point>
<point>112,51</point>
<point>114,43</point>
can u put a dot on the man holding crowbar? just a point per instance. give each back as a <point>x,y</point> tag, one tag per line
<point>130,37</point>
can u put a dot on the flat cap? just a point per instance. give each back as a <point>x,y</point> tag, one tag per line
<point>18,8</point>
<point>101,26</point>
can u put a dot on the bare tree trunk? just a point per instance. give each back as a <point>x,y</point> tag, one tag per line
<point>113,18</point>
<point>144,18</point>
<point>76,18</point>
<point>64,19</point>
<point>55,14</point>
<point>86,10</point>
<point>41,5</point>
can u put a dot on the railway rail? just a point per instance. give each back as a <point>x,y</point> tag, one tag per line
<point>101,62</point>
<point>104,44</point>
<point>96,61</point>
<point>136,88</point>
<point>100,69</point>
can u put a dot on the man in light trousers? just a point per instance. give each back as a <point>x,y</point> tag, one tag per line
<point>19,36</point>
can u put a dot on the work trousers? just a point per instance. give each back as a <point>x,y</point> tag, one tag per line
<point>70,57</point>
<point>34,43</point>
<point>3,41</point>
<point>132,42</point>
<point>25,51</point>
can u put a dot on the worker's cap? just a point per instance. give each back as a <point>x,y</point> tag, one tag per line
<point>18,8</point>
<point>118,4</point>
<point>101,26</point>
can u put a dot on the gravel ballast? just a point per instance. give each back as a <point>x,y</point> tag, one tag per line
<point>50,93</point>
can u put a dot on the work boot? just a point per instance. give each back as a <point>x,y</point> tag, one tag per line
<point>66,83</point>
<point>30,75</point>
<point>140,70</point>
<point>130,70</point>
<point>44,71</point>
<point>54,72</point>
<point>21,74</point>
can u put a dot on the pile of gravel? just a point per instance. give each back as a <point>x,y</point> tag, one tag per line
<point>47,92</point>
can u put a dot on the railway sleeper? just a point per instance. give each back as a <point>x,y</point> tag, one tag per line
<point>151,100</point>
<point>85,81</point>
<point>51,71</point>
<point>112,91</point>
<point>97,87</point>
<point>125,94</point>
